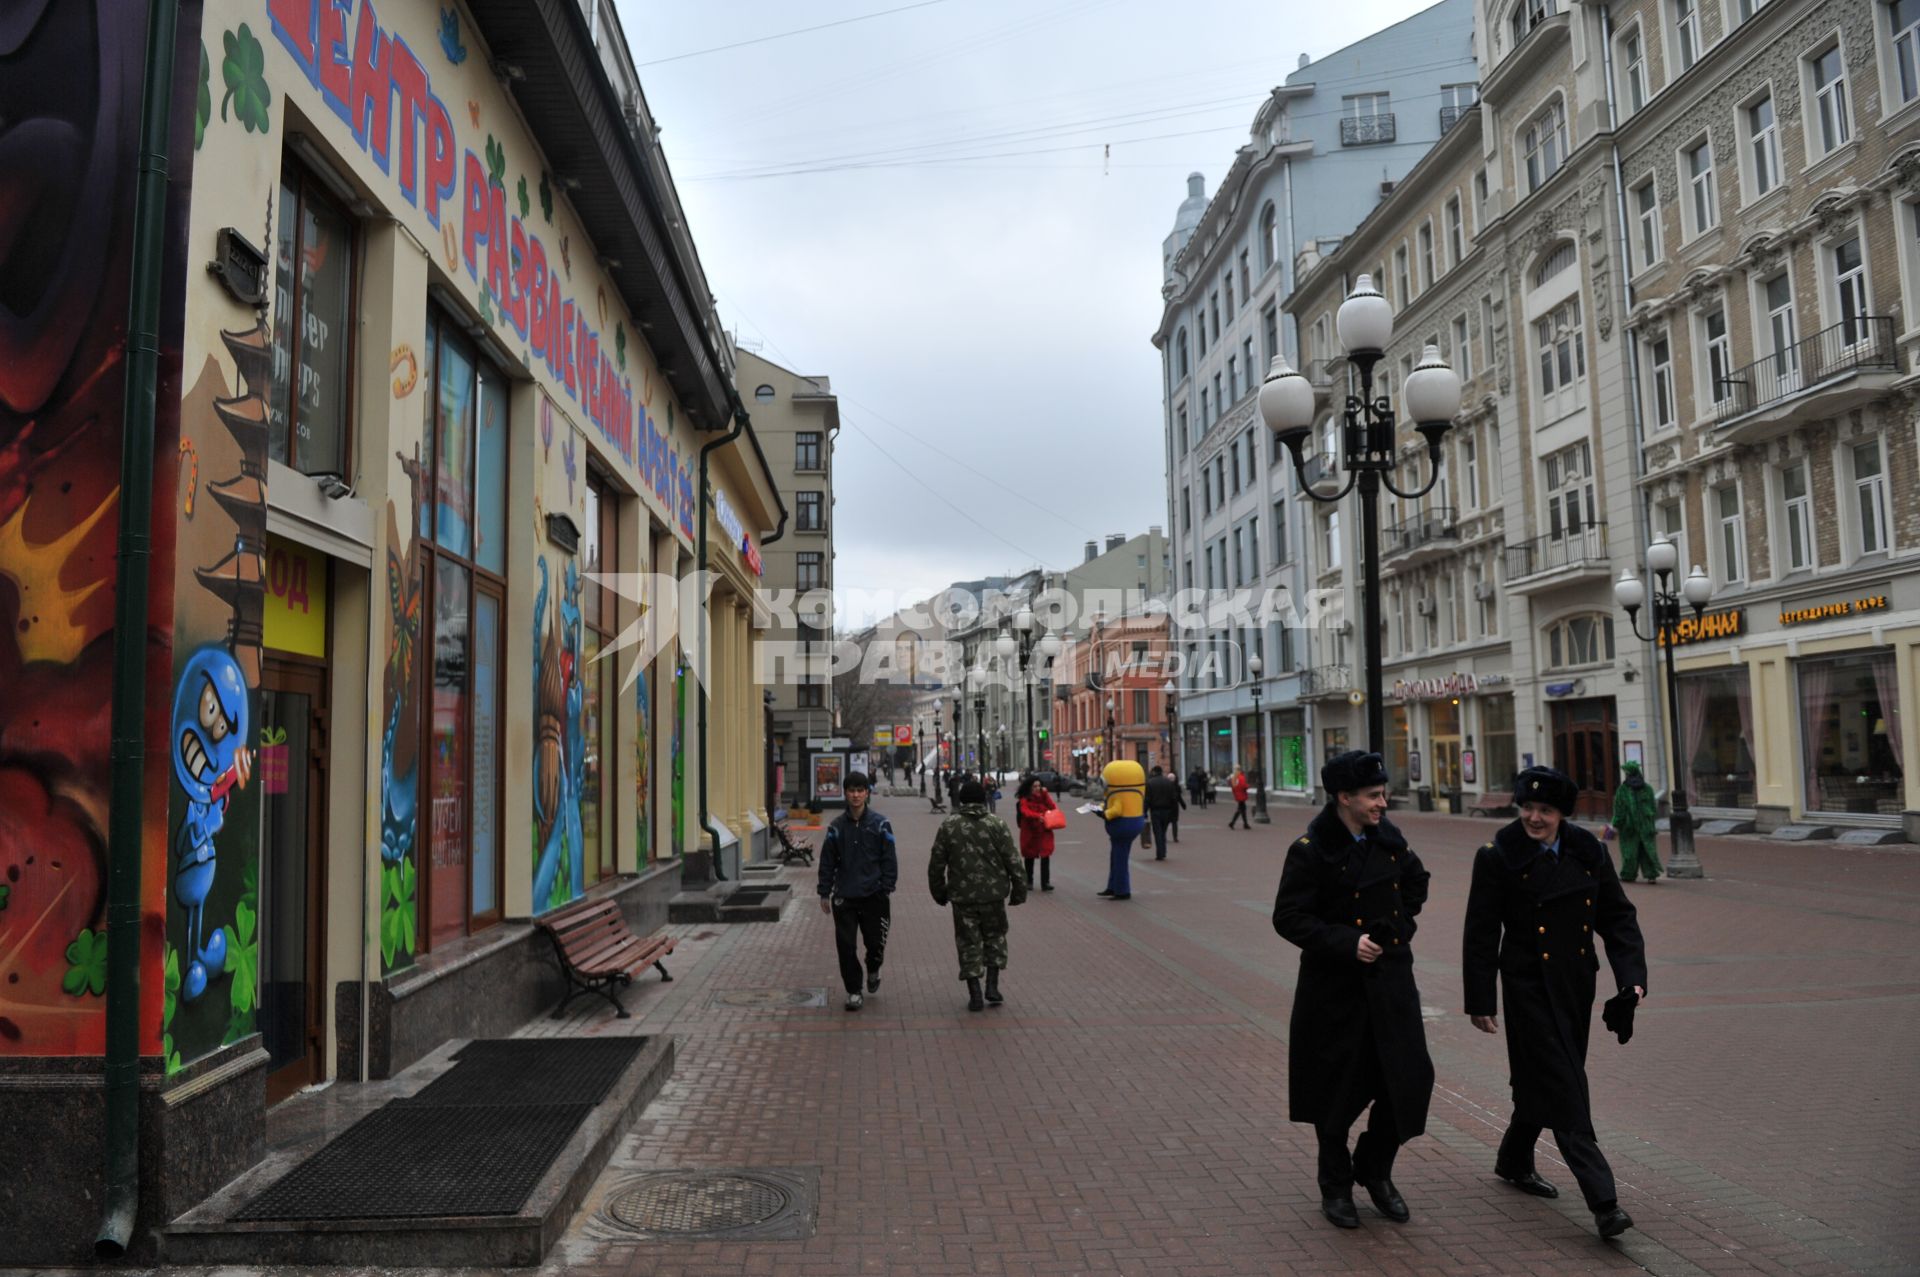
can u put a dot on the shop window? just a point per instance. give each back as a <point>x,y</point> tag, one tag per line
<point>1716,725</point>
<point>600,553</point>
<point>307,411</point>
<point>462,529</point>
<point>1499,763</point>
<point>1850,733</point>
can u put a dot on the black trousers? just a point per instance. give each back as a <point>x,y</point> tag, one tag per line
<point>1240,814</point>
<point>1046,869</point>
<point>1582,1151</point>
<point>871,917</point>
<point>1162,819</point>
<point>1373,1153</point>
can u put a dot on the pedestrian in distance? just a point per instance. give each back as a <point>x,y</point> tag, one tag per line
<point>1209,788</point>
<point>859,868</point>
<point>1196,785</point>
<point>1032,802</point>
<point>1349,893</point>
<point>1164,801</point>
<point>1240,791</point>
<point>1544,894</point>
<point>975,869</point>
<point>1125,814</point>
<point>1633,817</point>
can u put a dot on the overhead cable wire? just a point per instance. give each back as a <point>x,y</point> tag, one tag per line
<point>782,35</point>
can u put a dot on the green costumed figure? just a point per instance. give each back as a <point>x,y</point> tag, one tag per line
<point>1633,817</point>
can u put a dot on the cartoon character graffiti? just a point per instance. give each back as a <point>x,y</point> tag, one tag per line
<point>560,748</point>
<point>210,759</point>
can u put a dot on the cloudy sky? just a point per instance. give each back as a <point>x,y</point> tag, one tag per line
<point>954,209</point>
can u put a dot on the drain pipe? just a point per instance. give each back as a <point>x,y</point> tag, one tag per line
<point>706,451</point>
<point>124,822</point>
<point>1642,522</point>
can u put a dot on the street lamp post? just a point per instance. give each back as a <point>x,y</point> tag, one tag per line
<point>1112,750</point>
<point>1173,729</point>
<point>1369,454</point>
<point>1003,746</point>
<point>1663,559</point>
<point>939,750</point>
<point>977,680</point>
<point>1022,641</point>
<point>919,757</point>
<point>1254,667</point>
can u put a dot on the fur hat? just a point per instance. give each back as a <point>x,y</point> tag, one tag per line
<point>1355,769</point>
<point>1546,785</point>
<point>971,791</point>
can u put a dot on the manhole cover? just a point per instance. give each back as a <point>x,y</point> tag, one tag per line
<point>765,1204</point>
<point>769,999</point>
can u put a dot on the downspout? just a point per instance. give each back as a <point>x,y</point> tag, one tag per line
<point>772,796</point>
<point>706,451</point>
<point>1642,525</point>
<point>124,814</point>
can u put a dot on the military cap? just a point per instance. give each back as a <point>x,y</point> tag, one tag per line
<point>971,791</point>
<point>1546,785</point>
<point>1353,770</point>
<point>858,780</point>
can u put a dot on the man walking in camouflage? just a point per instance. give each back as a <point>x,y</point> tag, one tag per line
<point>976,868</point>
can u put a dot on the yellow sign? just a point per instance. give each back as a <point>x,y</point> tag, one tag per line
<point>1713,625</point>
<point>883,737</point>
<point>296,617</point>
<point>1828,611</point>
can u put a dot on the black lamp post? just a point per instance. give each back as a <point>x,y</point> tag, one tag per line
<point>1369,453</point>
<point>1254,668</point>
<point>939,749</point>
<point>1021,640</point>
<point>1173,729</point>
<point>1663,559</point>
<point>977,680</point>
<point>919,758</point>
<point>1113,750</point>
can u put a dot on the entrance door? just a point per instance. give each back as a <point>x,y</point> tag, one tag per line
<point>1585,746</point>
<point>292,977</point>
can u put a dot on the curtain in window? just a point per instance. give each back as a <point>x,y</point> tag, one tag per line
<point>1886,687</point>
<point>1743,696</point>
<point>1693,723</point>
<point>1816,687</point>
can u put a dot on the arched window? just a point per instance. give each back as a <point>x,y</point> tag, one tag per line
<point>1529,14</point>
<point>1559,259</point>
<point>1575,641</point>
<point>1180,356</point>
<point>1545,143</point>
<point>1269,249</point>
<point>763,394</point>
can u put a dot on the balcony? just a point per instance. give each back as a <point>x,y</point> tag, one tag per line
<point>1431,533</point>
<point>1452,115</point>
<point>1549,561</point>
<point>1326,680</point>
<point>1319,374</point>
<point>1836,369</point>
<point>1319,468</point>
<point>1367,130</point>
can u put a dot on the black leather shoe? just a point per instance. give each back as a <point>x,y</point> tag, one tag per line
<point>873,982</point>
<point>1103,893</point>
<point>1126,896</point>
<point>1612,1222</point>
<point>1339,1210</point>
<point>975,1002</point>
<point>1387,1200</point>
<point>1530,1182</point>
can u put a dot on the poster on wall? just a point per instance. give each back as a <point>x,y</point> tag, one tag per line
<point>1469,767</point>
<point>828,772</point>
<point>860,762</point>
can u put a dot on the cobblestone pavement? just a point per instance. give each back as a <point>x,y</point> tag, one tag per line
<point>1125,1111</point>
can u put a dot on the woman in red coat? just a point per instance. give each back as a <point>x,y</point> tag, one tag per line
<point>1240,800</point>
<point>1036,840</point>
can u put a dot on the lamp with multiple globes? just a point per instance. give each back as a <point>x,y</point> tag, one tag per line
<point>1630,592</point>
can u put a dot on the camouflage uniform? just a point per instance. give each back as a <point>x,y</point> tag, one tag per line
<point>976,867</point>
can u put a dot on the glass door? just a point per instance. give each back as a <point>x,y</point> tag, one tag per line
<point>292,889</point>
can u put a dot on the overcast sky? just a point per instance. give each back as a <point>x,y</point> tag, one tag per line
<point>955,211</point>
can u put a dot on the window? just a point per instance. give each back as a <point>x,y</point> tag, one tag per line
<point>1226,282</point>
<point>1456,232</point>
<point>1763,142</point>
<point>1219,399</point>
<point>1141,713</point>
<point>810,511</point>
<point>1545,144</point>
<point>1213,313</point>
<point>810,569</point>
<point>1870,497</point>
<point>1269,242</point>
<point>1668,522</point>
<point>1206,491</point>
<point>1479,201</point>
<point>1253,456</point>
<point>1427,273</point>
<point>1279,532</point>
<point>463,541</point>
<point>600,552</point>
<point>1699,168</point>
<point>763,393</point>
<point>1234,452</point>
<point>1570,494</point>
<point>1660,362</point>
<point>1784,366</point>
<point>1733,538</point>
<point>812,695</point>
<point>1905,17</point>
<point>1646,205</point>
<point>1366,106</point>
<point>1486,330</point>
<point>1180,355</point>
<point>307,410</point>
<point>1633,59</point>
<point>1835,126</point>
<point>1186,508</point>
<point>806,450</point>
<point>1233,379</point>
<point>1797,506</point>
<point>1330,543</point>
<point>1580,640</point>
<point>1719,356</point>
<point>1180,428</point>
<point>1205,420</point>
<point>1686,31</point>
<point>1253,539</point>
<point>1402,281</point>
<point>1246,279</point>
<point>1462,349</point>
<point>1563,354</point>
<point>1494,461</point>
<point>1850,289</point>
<point>1470,471</point>
<point>1529,14</point>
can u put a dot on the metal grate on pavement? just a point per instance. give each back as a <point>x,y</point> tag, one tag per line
<point>531,1071</point>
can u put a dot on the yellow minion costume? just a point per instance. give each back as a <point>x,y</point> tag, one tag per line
<point>1126,816</point>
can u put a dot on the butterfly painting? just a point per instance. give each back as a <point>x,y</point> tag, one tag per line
<point>403,591</point>
<point>567,459</point>
<point>450,37</point>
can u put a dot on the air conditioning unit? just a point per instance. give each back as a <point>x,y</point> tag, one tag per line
<point>1424,607</point>
<point>1483,591</point>
<point>1386,188</point>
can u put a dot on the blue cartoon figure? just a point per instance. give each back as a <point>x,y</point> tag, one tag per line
<point>210,758</point>
<point>560,747</point>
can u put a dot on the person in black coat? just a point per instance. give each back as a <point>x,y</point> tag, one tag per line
<point>1349,894</point>
<point>1544,894</point>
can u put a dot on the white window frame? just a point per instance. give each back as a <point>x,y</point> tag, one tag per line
<point>1688,43</point>
<point>1761,147</point>
<point>1663,406</point>
<point>1849,291</point>
<point>1906,234</point>
<point>1429,268</point>
<point>1701,186</point>
<point>1462,348</point>
<point>1486,325</point>
<point>1470,470</point>
<point>1869,504</point>
<point>1543,141</point>
<point>1773,323</point>
<point>1269,236</point>
<point>1796,514</point>
<point>1646,216</point>
<point>1456,230</point>
<point>1481,194</point>
<point>1717,364</point>
<point>1560,354</point>
<point>1730,546</point>
<point>1900,66</point>
<point>1566,476</point>
<point>1829,118</point>
<point>1402,275</point>
<point>1631,52</point>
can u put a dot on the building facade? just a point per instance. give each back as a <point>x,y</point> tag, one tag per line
<point>437,405</point>
<point>797,418</point>
<point>1322,150</point>
<point>1111,697</point>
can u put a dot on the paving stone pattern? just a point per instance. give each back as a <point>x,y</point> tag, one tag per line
<point>1125,1111</point>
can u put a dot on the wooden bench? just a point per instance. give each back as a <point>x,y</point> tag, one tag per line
<point>790,851</point>
<point>598,954</point>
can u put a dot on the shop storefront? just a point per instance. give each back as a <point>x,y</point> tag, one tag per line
<point>1193,747</point>
<point>1716,722</point>
<point>1252,753</point>
<point>1220,748</point>
<point>1290,770</point>
<point>1850,735</point>
<point>1492,767</point>
<point>1399,750</point>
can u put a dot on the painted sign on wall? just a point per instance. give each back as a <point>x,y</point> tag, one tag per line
<point>296,605</point>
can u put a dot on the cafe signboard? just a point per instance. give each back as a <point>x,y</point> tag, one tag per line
<point>1833,609</point>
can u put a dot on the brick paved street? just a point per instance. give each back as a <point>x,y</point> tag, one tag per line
<point>1125,1111</point>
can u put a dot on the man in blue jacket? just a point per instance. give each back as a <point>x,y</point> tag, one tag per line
<point>858,871</point>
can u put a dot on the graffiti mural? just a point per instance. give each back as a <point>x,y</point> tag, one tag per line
<point>642,768</point>
<point>69,113</point>
<point>560,747</point>
<point>400,739</point>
